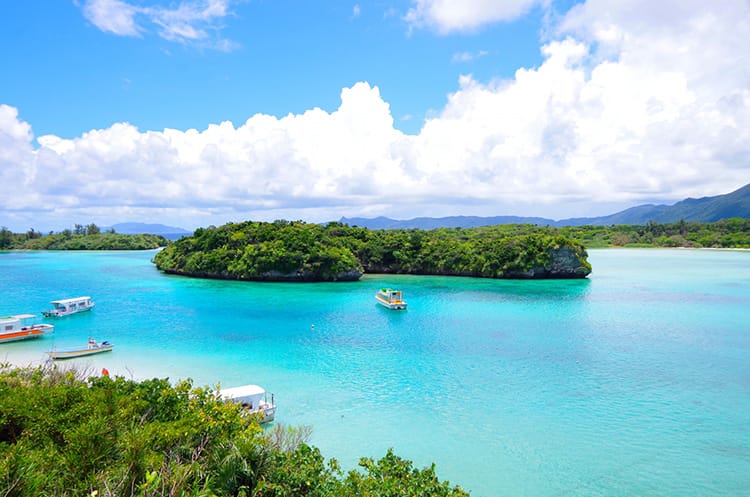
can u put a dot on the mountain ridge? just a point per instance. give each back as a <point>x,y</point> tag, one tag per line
<point>133,228</point>
<point>704,209</point>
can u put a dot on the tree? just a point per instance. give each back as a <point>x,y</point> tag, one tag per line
<point>6,238</point>
<point>683,227</point>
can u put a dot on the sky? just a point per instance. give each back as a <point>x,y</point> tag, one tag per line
<point>193,113</point>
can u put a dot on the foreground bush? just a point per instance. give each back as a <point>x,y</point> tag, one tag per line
<point>63,433</point>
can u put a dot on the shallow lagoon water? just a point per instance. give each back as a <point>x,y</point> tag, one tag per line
<point>635,381</point>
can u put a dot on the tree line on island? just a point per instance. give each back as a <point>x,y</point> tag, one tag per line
<point>299,251</point>
<point>285,250</point>
<point>88,237</point>
<point>726,233</point>
<point>66,433</point>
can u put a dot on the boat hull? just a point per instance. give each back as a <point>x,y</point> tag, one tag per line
<point>268,411</point>
<point>391,305</point>
<point>25,334</point>
<point>58,314</point>
<point>71,354</point>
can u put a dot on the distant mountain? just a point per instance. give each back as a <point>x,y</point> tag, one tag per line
<point>170,232</point>
<point>428,223</point>
<point>705,209</point>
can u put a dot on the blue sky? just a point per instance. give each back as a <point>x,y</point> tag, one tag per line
<point>274,57</point>
<point>192,113</point>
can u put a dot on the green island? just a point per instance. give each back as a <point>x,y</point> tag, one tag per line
<point>88,237</point>
<point>299,251</point>
<point>66,433</point>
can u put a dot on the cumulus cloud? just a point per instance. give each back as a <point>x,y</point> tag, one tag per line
<point>16,157</point>
<point>622,110</point>
<point>188,22</point>
<point>315,159</point>
<point>464,15</point>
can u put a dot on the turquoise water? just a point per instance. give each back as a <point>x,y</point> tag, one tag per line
<point>635,381</point>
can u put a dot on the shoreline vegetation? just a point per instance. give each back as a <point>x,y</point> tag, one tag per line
<point>732,233</point>
<point>67,432</point>
<point>88,237</point>
<point>298,251</point>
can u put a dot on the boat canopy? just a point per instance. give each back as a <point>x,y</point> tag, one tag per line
<point>243,391</point>
<point>70,301</point>
<point>22,316</point>
<point>250,394</point>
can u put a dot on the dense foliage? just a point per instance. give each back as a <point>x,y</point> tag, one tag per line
<point>285,250</point>
<point>503,251</point>
<point>278,250</point>
<point>62,434</point>
<point>81,238</point>
<point>728,233</point>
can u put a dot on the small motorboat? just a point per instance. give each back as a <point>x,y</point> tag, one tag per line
<point>92,347</point>
<point>392,299</point>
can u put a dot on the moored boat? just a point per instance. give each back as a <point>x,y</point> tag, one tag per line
<point>254,398</point>
<point>20,327</point>
<point>92,347</point>
<point>65,307</point>
<point>392,299</point>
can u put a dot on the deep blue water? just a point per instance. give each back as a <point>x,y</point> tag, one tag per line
<point>635,381</point>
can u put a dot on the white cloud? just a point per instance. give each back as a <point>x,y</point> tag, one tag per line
<point>112,16</point>
<point>315,159</point>
<point>623,110</point>
<point>468,56</point>
<point>188,22</point>
<point>16,158</point>
<point>464,15</point>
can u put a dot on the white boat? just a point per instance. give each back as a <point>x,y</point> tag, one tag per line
<point>252,397</point>
<point>392,299</point>
<point>65,307</point>
<point>92,347</point>
<point>20,327</point>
